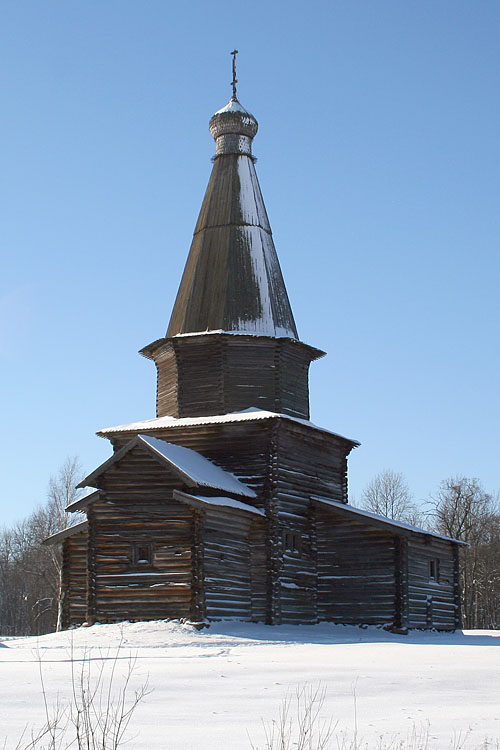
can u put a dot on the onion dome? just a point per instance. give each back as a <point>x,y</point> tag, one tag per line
<point>233,129</point>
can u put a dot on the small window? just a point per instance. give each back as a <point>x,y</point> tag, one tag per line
<point>142,554</point>
<point>292,542</point>
<point>434,570</point>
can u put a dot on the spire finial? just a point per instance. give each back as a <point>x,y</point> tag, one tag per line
<point>235,80</point>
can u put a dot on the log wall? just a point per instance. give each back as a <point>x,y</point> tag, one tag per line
<point>285,462</point>
<point>221,373</point>
<point>309,462</point>
<point>74,581</point>
<point>228,561</point>
<point>356,571</point>
<point>432,603</point>
<point>220,563</point>
<point>243,448</point>
<point>138,509</point>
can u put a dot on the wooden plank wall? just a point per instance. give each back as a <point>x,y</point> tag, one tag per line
<point>258,571</point>
<point>432,603</point>
<point>285,463</point>
<point>218,374</point>
<point>243,448</point>
<point>308,463</point>
<point>249,375</point>
<point>228,566</point>
<point>138,508</point>
<point>200,379</point>
<point>166,382</point>
<point>293,373</point>
<point>356,571</point>
<point>74,551</point>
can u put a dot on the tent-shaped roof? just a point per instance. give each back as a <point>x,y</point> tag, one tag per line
<point>193,468</point>
<point>232,281</point>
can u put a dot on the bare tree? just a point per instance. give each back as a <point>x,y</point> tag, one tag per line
<point>300,723</point>
<point>30,572</point>
<point>61,492</point>
<point>98,714</point>
<point>462,509</point>
<point>388,495</point>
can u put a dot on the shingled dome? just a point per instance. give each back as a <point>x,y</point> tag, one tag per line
<point>233,119</point>
<point>232,281</point>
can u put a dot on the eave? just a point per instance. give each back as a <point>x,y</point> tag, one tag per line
<point>62,535</point>
<point>382,522</point>
<point>149,350</point>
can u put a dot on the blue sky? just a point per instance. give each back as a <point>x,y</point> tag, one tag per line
<point>378,157</point>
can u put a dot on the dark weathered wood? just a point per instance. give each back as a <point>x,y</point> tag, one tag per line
<point>456,587</point>
<point>220,373</point>
<point>287,463</point>
<point>74,579</point>
<point>232,280</point>
<point>258,571</point>
<point>401,582</point>
<point>227,565</point>
<point>273,537</point>
<point>138,508</point>
<point>356,571</point>
<point>198,600</point>
<point>432,603</point>
<point>156,551</point>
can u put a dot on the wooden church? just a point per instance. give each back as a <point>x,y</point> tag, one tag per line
<point>230,503</point>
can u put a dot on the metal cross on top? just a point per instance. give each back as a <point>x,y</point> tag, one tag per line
<point>235,80</point>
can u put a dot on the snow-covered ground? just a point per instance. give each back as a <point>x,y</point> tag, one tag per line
<point>212,688</point>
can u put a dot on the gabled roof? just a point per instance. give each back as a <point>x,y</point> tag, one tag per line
<point>248,415</point>
<point>399,527</point>
<point>194,469</point>
<point>199,501</point>
<point>65,533</point>
<point>232,280</point>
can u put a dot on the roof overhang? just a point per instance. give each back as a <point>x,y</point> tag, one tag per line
<point>78,528</point>
<point>247,415</point>
<point>217,503</point>
<point>83,502</point>
<point>150,350</point>
<point>398,528</point>
<point>191,467</point>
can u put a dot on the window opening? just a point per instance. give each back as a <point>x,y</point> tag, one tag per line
<point>292,542</point>
<point>434,570</point>
<point>142,554</point>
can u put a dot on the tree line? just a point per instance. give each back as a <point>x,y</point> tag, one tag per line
<point>461,509</point>
<point>30,573</point>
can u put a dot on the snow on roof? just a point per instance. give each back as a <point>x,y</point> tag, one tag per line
<point>197,467</point>
<point>194,468</point>
<point>233,105</point>
<point>232,333</point>
<point>82,502</point>
<point>60,535</point>
<point>225,502</point>
<point>382,519</point>
<point>276,317</point>
<point>250,201</point>
<point>248,415</point>
<point>281,333</point>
